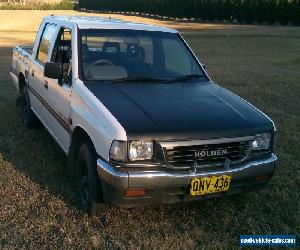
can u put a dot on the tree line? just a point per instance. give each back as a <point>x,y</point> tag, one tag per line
<point>241,11</point>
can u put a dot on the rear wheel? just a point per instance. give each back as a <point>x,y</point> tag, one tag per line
<point>28,117</point>
<point>89,187</point>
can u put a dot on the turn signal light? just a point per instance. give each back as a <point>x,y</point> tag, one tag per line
<point>135,192</point>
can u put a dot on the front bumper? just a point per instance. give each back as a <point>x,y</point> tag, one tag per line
<point>164,186</point>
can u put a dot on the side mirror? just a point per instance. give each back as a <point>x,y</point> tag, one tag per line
<point>53,70</point>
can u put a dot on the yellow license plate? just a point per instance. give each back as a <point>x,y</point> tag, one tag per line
<point>207,185</point>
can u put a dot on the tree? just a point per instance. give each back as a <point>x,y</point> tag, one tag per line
<point>248,11</point>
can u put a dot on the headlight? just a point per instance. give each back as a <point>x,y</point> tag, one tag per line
<point>261,142</point>
<point>118,151</point>
<point>140,150</point>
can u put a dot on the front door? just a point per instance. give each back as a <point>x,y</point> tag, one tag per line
<point>59,91</point>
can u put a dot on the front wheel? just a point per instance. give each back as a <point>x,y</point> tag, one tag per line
<point>89,189</point>
<point>28,117</point>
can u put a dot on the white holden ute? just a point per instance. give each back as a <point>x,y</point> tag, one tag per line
<point>138,117</point>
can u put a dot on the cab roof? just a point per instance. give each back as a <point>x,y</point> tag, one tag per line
<point>89,22</point>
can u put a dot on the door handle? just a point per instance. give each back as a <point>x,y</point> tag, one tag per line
<point>32,73</point>
<point>46,84</point>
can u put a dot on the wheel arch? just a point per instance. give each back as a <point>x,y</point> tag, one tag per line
<point>22,82</point>
<point>78,137</point>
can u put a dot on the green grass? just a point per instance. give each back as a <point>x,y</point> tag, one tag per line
<point>37,204</point>
<point>64,5</point>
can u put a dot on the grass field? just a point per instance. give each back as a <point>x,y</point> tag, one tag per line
<point>37,204</point>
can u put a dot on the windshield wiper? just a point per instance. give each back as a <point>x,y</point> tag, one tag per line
<point>135,79</point>
<point>185,78</point>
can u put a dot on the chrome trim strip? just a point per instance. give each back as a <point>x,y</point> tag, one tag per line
<point>148,178</point>
<point>152,174</point>
<point>172,144</point>
<point>139,165</point>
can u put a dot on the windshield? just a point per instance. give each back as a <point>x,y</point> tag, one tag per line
<point>108,55</point>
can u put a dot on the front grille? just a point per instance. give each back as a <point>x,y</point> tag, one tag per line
<point>210,156</point>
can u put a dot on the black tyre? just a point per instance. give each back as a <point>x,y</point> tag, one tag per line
<point>28,117</point>
<point>88,184</point>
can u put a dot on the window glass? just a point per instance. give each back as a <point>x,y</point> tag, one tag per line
<point>45,43</point>
<point>147,44</point>
<point>62,53</point>
<point>115,54</point>
<point>175,57</point>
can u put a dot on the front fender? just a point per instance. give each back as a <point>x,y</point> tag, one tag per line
<point>95,119</point>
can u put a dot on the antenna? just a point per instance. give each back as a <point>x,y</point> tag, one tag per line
<point>226,54</point>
